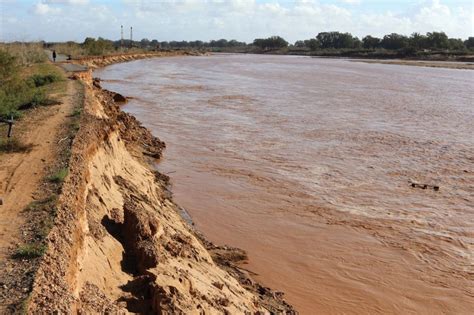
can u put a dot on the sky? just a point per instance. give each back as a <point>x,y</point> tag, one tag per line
<point>243,20</point>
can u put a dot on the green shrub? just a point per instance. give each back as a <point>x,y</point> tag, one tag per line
<point>77,112</point>
<point>38,99</point>
<point>30,251</point>
<point>59,176</point>
<point>46,203</point>
<point>38,80</point>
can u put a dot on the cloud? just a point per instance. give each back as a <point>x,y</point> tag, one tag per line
<point>351,1</point>
<point>243,20</point>
<point>44,9</point>
<point>67,2</point>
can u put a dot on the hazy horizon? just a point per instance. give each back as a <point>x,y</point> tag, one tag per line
<point>243,20</point>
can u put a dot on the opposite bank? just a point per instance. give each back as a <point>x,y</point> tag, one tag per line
<point>119,244</point>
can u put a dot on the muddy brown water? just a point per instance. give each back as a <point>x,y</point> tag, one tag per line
<point>307,164</point>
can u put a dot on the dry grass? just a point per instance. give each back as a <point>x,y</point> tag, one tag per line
<point>27,53</point>
<point>28,251</point>
<point>70,48</point>
<point>12,145</point>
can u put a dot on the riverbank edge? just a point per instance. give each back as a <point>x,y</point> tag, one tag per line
<point>445,63</point>
<point>159,241</point>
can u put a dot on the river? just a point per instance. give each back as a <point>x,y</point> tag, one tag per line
<point>308,165</point>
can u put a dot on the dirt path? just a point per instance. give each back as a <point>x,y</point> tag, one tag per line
<point>21,180</point>
<point>21,173</point>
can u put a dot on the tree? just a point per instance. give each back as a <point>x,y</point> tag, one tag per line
<point>145,43</point>
<point>220,43</point>
<point>437,40</point>
<point>456,44</point>
<point>469,43</point>
<point>155,43</point>
<point>369,42</point>
<point>300,44</point>
<point>337,40</point>
<point>394,41</point>
<point>356,43</point>
<point>274,42</point>
<point>312,44</point>
<point>418,41</point>
<point>97,47</point>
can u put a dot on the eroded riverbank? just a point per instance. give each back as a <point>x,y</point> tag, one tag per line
<point>307,164</point>
<point>119,244</point>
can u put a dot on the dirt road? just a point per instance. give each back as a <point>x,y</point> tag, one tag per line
<point>21,177</point>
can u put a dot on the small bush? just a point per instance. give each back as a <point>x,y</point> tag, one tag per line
<point>44,204</point>
<point>38,80</point>
<point>14,145</point>
<point>77,112</point>
<point>38,99</point>
<point>59,176</point>
<point>30,251</point>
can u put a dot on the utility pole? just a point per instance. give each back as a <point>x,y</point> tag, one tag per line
<point>131,36</point>
<point>121,37</point>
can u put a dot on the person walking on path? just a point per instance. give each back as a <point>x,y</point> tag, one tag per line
<point>54,55</point>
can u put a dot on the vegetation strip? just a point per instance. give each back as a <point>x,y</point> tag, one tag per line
<point>28,83</point>
<point>429,46</point>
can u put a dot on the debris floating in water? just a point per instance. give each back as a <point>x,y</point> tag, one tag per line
<point>424,186</point>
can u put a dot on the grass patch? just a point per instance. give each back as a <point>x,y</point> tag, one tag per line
<point>26,53</point>
<point>38,80</point>
<point>30,251</point>
<point>23,86</point>
<point>47,203</point>
<point>39,98</point>
<point>59,176</point>
<point>75,126</point>
<point>12,145</point>
<point>77,112</point>
<point>46,226</point>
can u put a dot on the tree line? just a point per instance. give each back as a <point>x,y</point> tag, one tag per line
<point>324,41</point>
<point>394,41</point>
<point>329,40</point>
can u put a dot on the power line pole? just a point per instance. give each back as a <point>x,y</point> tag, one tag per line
<point>131,36</point>
<point>121,37</point>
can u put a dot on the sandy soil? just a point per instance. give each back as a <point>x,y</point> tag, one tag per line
<point>422,63</point>
<point>97,62</point>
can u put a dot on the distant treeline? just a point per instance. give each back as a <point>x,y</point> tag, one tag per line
<point>324,43</point>
<point>417,41</point>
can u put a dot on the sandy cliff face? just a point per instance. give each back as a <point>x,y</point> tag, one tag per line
<point>97,62</point>
<point>119,244</point>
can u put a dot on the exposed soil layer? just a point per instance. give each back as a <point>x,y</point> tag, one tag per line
<point>119,244</point>
<point>102,61</point>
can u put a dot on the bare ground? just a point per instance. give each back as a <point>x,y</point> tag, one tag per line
<point>422,63</point>
<point>28,197</point>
